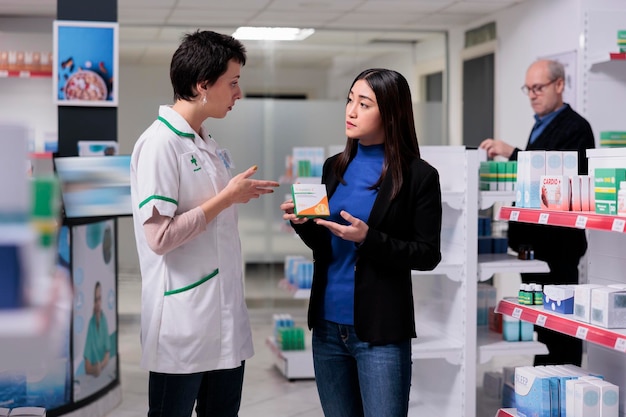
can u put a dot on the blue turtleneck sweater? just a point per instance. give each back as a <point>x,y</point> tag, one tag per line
<point>356,198</point>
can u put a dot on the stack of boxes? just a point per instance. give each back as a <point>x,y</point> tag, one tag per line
<point>487,243</point>
<point>600,305</point>
<point>298,271</point>
<point>563,390</point>
<point>287,335</point>
<point>497,175</point>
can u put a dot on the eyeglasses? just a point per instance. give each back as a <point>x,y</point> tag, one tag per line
<point>537,88</point>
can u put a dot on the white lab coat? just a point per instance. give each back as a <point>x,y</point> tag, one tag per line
<point>193,314</point>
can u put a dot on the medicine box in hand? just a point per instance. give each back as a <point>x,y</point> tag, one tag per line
<point>310,200</point>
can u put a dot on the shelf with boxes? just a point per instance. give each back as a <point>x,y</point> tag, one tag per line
<point>565,323</point>
<point>25,74</point>
<point>574,219</point>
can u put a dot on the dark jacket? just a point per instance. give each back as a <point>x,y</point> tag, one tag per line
<point>569,131</point>
<point>404,234</point>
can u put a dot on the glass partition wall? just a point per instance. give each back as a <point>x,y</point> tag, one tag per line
<point>294,96</point>
<point>299,100</point>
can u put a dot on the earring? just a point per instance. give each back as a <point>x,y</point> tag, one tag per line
<point>203,100</point>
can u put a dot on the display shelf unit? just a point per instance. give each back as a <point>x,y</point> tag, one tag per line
<point>490,345</point>
<point>25,74</point>
<point>293,364</point>
<point>445,298</point>
<point>492,263</point>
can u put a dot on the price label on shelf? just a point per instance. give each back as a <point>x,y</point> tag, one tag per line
<point>514,215</point>
<point>620,344</point>
<point>618,225</point>
<point>24,74</point>
<point>4,73</point>
<point>581,332</point>
<point>581,222</point>
<point>543,218</point>
<point>517,313</point>
<point>541,320</point>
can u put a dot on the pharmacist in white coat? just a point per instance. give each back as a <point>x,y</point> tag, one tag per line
<point>195,331</point>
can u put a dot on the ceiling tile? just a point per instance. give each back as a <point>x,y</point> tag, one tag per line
<point>313,6</point>
<point>209,17</point>
<point>225,5</point>
<point>290,19</point>
<point>155,16</point>
<point>135,4</point>
<point>412,6</point>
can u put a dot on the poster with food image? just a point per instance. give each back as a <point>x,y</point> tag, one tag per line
<point>85,66</point>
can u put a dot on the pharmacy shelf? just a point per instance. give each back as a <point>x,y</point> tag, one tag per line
<point>25,74</point>
<point>487,199</point>
<point>299,293</point>
<point>454,199</point>
<point>572,219</point>
<point>452,270</point>
<point>432,343</point>
<point>491,344</point>
<point>293,364</point>
<point>564,323</point>
<point>491,263</point>
<point>507,412</point>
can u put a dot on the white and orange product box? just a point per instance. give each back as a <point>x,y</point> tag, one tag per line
<point>554,192</point>
<point>586,193</point>
<point>310,200</point>
<point>574,184</point>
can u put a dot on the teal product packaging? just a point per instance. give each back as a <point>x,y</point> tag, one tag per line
<point>606,187</point>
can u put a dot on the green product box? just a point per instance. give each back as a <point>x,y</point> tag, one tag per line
<point>606,186</point>
<point>621,35</point>
<point>612,139</point>
<point>511,175</point>
<point>488,175</point>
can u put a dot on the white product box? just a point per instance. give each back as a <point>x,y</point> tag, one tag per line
<point>586,399</point>
<point>592,195</point>
<point>576,203</point>
<point>609,398</point>
<point>586,191</point>
<point>582,301</point>
<point>554,163</point>
<point>570,393</point>
<point>570,163</point>
<point>608,307</point>
<point>28,412</point>
<point>559,298</point>
<point>536,167</point>
<point>14,184</point>
<point>522,178</point>
<point>4,412</point>
<point>555,192</point>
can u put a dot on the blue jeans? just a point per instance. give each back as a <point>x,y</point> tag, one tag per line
<point>218,393</point>
<point>356,378</point>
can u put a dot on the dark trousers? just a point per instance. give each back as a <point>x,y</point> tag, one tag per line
<point>215,393</point>
<point>563,349</point>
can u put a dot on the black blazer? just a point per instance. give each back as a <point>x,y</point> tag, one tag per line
<point>569,131</point>
<point>404,234</point>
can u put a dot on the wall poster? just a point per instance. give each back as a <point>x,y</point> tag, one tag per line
<point>85,63</point>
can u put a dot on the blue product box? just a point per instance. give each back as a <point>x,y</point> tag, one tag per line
<point>532,393</point>
<point>559,298</point>
<point>500,245</point>
<point>508,396</point>
<point>11,277</point>
<point>484,245</point>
